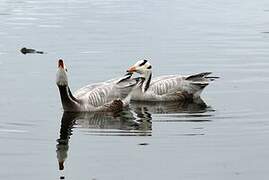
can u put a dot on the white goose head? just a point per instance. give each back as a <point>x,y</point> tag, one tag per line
<point>61,76</point>
<point>142,67</point>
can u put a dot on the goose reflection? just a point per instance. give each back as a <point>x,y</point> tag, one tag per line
<point>136,121</point>
<point>143,108</point>
<point>124,123</point>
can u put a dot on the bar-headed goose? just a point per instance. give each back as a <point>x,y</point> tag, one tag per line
<point>111,95</point>
<point>170,87</point>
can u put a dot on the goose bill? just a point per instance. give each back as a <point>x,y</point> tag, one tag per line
<point>60,64</point>
<point>131,69</point>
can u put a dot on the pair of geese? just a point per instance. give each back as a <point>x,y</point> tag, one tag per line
<point>113,95</point>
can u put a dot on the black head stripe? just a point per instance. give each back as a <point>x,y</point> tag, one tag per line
<point>144,62</point>
<point>149,67</point>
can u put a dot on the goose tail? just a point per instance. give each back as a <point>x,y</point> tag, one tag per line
<point>199,81</point>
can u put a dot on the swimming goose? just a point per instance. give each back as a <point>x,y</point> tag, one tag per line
<point>111,95</point>
<point>170,87</point>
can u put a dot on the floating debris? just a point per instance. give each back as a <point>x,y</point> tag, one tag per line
<point>143,144</point>
<point>25,50</point>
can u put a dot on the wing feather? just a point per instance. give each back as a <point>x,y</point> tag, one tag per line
<point>165,84</point>
<point>99,94</point>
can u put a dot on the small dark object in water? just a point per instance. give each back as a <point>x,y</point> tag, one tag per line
<point>143,144</point>
<point>25,50</point>
<point>62,177</point>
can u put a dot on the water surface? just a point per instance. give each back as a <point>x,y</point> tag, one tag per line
<point>99,40</point>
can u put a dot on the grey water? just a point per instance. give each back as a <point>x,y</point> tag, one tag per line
<point>99,40</point>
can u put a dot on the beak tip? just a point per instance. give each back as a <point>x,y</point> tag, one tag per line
<point>60,63</point>
<point>131,70</point>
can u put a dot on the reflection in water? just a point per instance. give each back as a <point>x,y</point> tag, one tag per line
<point>125,123</point>
<point>133,122</point>
<point>142,108</point>
<point>68,120</point>
<point>121,124</point>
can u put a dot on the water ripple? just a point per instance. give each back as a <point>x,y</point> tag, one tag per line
<point>12,131</point>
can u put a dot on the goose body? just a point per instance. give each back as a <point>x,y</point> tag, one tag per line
<point>110,95</point>
<point>169,87</point>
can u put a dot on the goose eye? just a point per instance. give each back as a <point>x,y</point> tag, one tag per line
<point>65,70</point>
